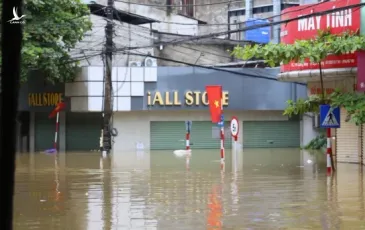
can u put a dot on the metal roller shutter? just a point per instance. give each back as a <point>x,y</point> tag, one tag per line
<point>83,131</point>
<point>271,134</point>
<point>347,141</point>
<point>170,135</point>
<point>44,131</point>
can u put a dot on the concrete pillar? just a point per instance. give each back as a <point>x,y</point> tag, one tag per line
<point>32,132</point>
<point>248,8</point>
<point>308,132</point>
<point>276,28</point>
<point>62,132</point>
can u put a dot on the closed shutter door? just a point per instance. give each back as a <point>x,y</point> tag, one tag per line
<point>170,135</point>
<point>347,141</point>
<point>271,134</point>
<point>206,135</point>
<point>44,131</point>
<point>83,131</point>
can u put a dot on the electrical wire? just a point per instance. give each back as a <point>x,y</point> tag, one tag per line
<point>185,47</point>
<point>209,67</point>
<point>185,5</point>
<point>238,23</point>
<point>273,77</point>
<point>151,37</point>
<point>212,35</point>
<point>66,22</point>
<point>128,56</point>
<point>176,61</point>
<point>243,29</point>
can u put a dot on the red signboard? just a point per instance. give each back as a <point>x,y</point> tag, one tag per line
<point>307,28</point>
<point>361,71</point>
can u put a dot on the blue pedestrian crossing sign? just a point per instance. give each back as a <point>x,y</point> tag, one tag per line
<point>329,117</point>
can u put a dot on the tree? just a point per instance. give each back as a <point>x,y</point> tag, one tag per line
<point>51,30</point>
<point>316,50</point>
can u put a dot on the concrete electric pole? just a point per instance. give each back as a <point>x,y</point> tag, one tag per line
<point>108,90</point>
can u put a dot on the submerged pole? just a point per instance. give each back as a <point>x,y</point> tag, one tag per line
<point>329,152</point>
<point>222,134</point>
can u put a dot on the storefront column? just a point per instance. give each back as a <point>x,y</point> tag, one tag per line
<point>62,132</point>
<point>32,132</point>
<point>308,131</point>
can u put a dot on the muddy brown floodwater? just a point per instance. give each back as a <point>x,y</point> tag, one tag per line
<point>258,189</point>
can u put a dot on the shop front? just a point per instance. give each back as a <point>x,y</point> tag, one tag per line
<point>78,131</point>
<point>157,119</point>
<point>338,72</point>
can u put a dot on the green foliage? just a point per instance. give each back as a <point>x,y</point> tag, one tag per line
<point>315,49</point>
<point>354,103</point>
<point>302,106</point>
<point>317,143</point>
<point>51,30</point>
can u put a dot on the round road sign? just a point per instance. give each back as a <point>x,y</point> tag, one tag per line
<point>234,127</point>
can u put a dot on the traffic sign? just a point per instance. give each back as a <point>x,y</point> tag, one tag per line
<point>329,117</point>
<point>234,127</point>
<point>188,125</point>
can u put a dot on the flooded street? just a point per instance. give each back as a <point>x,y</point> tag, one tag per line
<point>258,189</point>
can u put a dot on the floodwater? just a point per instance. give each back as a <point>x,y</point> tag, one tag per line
<point>258,189</point>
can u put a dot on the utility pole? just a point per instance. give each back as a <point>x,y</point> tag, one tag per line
<point>108,99</point>
<point>277,18</point>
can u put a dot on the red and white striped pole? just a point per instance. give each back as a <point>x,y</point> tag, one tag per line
<point>222,144</point>
<point>56,133</point>
<point>329,151</point>
<point>222,134</point>
<point>187,137</point>
<point>187,148</point>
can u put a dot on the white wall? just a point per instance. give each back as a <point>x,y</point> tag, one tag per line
<point>86,92</point>
<point>135,126</point>
<point>126,35</point>
<point>308,132</point>
<point>159,15</point>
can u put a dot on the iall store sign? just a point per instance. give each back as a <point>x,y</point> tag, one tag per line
<point>307,28</point>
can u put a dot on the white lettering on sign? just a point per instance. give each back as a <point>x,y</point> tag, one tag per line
<point>312,23</point>
<point>333,20</point>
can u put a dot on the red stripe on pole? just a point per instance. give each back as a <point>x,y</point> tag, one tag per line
<point>56,132</point>
<point>329,152</point>
<point>187,141</point>
<point>222,143</point>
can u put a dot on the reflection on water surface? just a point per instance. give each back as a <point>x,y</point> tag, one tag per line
<point>259,189</point>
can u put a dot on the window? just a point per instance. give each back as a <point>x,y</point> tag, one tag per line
<point>186,7</point>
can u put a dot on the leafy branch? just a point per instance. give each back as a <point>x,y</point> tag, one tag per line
<point>354,103</point>
<point>51,30</point>
<point>316,50</point>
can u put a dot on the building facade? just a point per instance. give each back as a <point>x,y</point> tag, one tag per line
<point>339,72</point>
<point>152,104</point>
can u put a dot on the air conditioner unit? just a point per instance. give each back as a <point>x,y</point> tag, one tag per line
<point>316,121</point>
<point>150,62</point>
<point>134,64</point>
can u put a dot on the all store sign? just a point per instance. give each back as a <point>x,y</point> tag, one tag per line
<point>338,22</point>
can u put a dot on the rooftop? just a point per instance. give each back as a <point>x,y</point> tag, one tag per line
<point>123,16</point>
